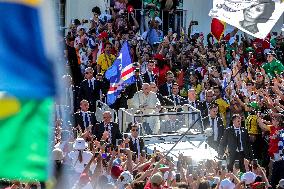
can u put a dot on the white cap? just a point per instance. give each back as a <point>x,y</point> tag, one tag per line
<point>226,184</point>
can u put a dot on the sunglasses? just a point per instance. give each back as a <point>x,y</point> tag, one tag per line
<point>134,130</point>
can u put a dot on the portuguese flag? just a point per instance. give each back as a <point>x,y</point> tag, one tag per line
<point>27,90</point>
<point>217,28</point>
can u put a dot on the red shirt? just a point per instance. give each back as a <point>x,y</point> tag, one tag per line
<point>273,141</point>
<point>149,185</point>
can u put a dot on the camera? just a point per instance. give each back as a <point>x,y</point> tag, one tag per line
<point>194,23</point>
<point>102,142</point>
<point>254,163</point>
<point>119,142</point>
<point>177,177</point>
<point>122,150</point>
<point>237,164</point>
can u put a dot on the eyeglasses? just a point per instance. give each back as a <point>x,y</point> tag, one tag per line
<point>134,130</point>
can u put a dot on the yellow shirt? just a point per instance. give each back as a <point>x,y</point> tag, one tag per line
<point>251,125</point>
<point>222,105</point>
<point>198,89</point>
<point>105,61</point>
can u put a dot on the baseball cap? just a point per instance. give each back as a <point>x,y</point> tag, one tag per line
<point>156,179</point>
<point>116,171</point>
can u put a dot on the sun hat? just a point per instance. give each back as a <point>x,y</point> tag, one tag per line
<point>57,154</point>
<point>80,144</point>
<point>281,183</point>
<point>127,177</point>
<point>248,177</point>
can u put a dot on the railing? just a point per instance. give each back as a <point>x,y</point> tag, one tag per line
<point>168,119</point>
<point>179,15</point>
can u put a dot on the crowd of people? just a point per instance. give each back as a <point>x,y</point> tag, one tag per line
<point>236,83</point>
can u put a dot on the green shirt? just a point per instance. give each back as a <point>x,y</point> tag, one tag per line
<point>151,10</point>
<point>273,67</point>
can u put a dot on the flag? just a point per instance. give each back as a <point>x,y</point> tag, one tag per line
<point>217,28</point>
<point>27,88</point>
<point>120,74</point>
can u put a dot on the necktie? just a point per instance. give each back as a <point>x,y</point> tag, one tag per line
<point>87,120</point>
<point>135,145</point>
<point>214,129</point>
<point>238,140</point>
<point>170,89</point>
<point>107,128</point>
<point>177,100</point>
<point>90,83</point>
<point>151,77</point>
<point>225,83</point>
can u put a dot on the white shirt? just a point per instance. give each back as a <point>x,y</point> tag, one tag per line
<point>84,118</point>
<point>214,127</point>
<point>150,76</point>
<point>169,85</point>
<point>108,129</point>
<point>80,166</point>
<point>92,83</point>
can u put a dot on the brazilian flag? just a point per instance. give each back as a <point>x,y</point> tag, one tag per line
<point>27,90</point>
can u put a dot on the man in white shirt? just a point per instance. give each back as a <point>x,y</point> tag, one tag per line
<point>136,144</point>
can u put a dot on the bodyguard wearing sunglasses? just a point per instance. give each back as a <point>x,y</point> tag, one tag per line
<point>136,144</point>
<point>90,89</point>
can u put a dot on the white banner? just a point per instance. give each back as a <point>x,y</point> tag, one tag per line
<point>255,17</point>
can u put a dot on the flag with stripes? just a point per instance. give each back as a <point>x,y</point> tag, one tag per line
<point>120,74</point>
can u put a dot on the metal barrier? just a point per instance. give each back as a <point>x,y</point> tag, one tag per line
<point>179,15</point>
<point>169,119</point>
<point>101,107</point>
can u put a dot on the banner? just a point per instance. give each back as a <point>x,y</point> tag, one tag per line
<point>255,17</point>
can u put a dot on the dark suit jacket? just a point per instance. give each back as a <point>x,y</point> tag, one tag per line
<point>115,132</point>
<point>203,108</point>
<point>220,126</point>
<point>180,102</point>
<point>229,140</point>
<point>163,90</point>
<point>89,94</point>
<point>164,100</point>
<point>134,87</point>
<point>141,144</point>
<point>146,78</point>
<point>197,104</point>
<point>78,118</point>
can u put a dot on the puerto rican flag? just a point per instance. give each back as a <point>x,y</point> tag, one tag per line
<point>120,74</point>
